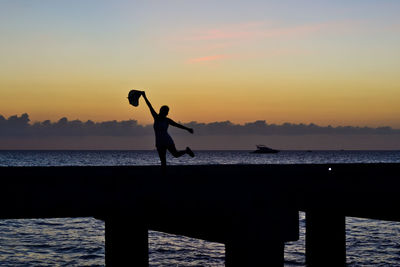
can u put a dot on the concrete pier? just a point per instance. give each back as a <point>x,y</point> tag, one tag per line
<point>252,209</point>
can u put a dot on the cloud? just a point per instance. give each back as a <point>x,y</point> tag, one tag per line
<point>249,31</point>
<point>251,34</point>
<point>19,126</point>
<point>236,38</point>
<point>262,128</point>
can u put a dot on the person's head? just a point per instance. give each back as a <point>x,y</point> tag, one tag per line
<point>164,111</point>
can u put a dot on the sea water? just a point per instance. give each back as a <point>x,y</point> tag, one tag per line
<point>80,241</point>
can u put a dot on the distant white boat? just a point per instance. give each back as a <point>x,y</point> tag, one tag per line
<point>261,149</point>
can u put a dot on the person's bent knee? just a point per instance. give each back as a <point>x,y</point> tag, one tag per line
<point>175,154</point>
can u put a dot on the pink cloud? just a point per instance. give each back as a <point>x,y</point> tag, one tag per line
<point>251,55</point>
<point>259,30</point>
<point>392,27</point>
<point>207,58</point>
<point>239,39</point>
<point>231,31</point>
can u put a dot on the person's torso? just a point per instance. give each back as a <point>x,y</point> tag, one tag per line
<point>160,128</point>
<point>161,125</point>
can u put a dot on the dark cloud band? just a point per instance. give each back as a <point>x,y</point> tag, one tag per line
<point>20,126</point>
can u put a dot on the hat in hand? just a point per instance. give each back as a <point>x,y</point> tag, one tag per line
<point>133,97</point>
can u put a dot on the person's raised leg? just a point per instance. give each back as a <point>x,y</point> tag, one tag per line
<point>176,153</point>
<point>189,152</point>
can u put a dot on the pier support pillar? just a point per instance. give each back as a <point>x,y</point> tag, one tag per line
<point>242,253</point>
<point>325,239</point>
<point>126,243</point>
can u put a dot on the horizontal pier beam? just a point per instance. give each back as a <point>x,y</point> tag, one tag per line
<point>256,205</point>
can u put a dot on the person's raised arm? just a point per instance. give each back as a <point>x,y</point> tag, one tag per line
<point>171,122</point>
<point>153,112</point>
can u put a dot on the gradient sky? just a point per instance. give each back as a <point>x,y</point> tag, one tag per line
<point>326,62</point>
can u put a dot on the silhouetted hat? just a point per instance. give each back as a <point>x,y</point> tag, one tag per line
<point>133,97</point>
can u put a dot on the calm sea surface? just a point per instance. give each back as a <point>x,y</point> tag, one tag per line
<point>80,241</point>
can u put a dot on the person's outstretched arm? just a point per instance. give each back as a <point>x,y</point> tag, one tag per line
<point>153,112</point>
<point>171,122</point>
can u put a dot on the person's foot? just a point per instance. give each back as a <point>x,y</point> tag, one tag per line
<point>189,151</point>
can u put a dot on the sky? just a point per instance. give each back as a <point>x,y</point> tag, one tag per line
<point>324,62</point>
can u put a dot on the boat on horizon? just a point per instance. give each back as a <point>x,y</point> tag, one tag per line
<point>262,149</point>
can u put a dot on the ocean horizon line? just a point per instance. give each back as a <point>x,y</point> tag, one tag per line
<point>201,150</point>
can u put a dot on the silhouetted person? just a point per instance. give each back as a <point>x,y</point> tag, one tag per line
<point>164,141</point>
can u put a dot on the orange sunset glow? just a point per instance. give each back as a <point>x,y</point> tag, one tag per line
<point>205,62</point>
